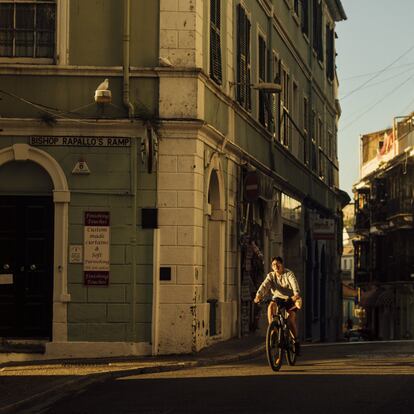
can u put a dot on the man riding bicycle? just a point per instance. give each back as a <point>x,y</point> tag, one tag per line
<point>285,294</point>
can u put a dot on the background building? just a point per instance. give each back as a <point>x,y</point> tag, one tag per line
<point>384,264</point>
<point>191,174</point>
<point>349,292</point>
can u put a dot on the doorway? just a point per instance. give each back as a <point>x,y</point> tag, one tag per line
<point>26,266</point>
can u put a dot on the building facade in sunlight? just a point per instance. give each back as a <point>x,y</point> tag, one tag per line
<point>153,157</point>
<point>384,250</point>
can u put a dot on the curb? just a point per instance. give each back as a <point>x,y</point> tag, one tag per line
<point>73,385</point>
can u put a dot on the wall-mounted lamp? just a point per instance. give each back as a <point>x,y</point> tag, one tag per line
<point>266,87</point>
<point>103,94</point>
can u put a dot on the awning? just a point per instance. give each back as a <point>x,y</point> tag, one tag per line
<point>349,292</point>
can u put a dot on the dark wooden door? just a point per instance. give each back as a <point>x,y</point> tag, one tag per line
<point>26,266</point>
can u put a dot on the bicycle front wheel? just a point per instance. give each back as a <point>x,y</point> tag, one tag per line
<point>274,346</point>
<point>290,348</point>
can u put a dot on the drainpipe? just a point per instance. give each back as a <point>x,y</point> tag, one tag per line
<point>155,332</point>
<point>134,167</point>
<point>126,45</point>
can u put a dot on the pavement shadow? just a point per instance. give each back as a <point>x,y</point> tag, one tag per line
<point>268,393</point>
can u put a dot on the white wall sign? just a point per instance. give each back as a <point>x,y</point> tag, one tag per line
<point>96,248</point>
<point>75,253</point>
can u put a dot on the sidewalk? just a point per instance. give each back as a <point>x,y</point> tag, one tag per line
<point>26,383</point>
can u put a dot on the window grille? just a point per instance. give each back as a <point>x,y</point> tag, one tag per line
<point>27,29</point>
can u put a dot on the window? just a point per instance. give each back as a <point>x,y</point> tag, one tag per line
<point>275,102</point>
<point>243,58</point>
<point>330,55</point>
<point>329,148</point>
<point>305,128</point>
<point>321,144</point>
<point>286,107</point>
<point>296,7</point>
<point>313,142</point>
<point>215,43</point>
<point>305,17</point>
<point>28,29</point>
<point>317,29</point>
<point>263,113</point>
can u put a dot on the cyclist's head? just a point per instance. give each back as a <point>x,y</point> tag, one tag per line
<point>277,264</point>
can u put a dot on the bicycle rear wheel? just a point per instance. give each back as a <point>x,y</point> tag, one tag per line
<point>290,348</point>
<point>274,346</point>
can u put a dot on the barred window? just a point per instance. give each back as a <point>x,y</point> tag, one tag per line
<point>27,29</point>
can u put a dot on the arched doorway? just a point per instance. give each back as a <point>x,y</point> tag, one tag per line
<point>215,252</point>
<point>35,220</point>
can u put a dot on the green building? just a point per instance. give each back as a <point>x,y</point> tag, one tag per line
<point>154,155</point>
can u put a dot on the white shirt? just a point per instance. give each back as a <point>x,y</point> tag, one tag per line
<point>282,286</point>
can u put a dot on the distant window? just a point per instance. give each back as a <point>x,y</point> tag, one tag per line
<point>306,128</point>
<point>263,105</point>
<point>305,17</point>
<point>243,58</point>
<point>27,29</point>
<point>286,102</point>
<point>314,127</point>
<point>274,100</point>
<point>296,7</point>
<point>317,29</point>
<point>215,42</point>
<point>330,55</point>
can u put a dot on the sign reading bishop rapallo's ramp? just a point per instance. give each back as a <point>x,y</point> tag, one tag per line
<point>60,141</point>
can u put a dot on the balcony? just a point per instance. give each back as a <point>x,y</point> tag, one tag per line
<point>398,206</point>
<point>362,221</point>
<point>379,213</point>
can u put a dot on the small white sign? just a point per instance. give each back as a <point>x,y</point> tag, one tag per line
<point>81,168</point>
<point>75,253</point>
<point>6,279</point>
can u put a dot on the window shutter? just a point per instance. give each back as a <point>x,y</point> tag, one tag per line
<point>215,41</point>
<point>248,68</point>
<point>305,17</point>
<point>241,58</point>
<point>330,58</point>
<point>263,105</point>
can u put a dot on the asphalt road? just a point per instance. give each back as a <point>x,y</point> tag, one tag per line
<point>325,381</point>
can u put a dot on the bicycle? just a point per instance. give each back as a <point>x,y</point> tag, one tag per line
<point>279,341</point>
